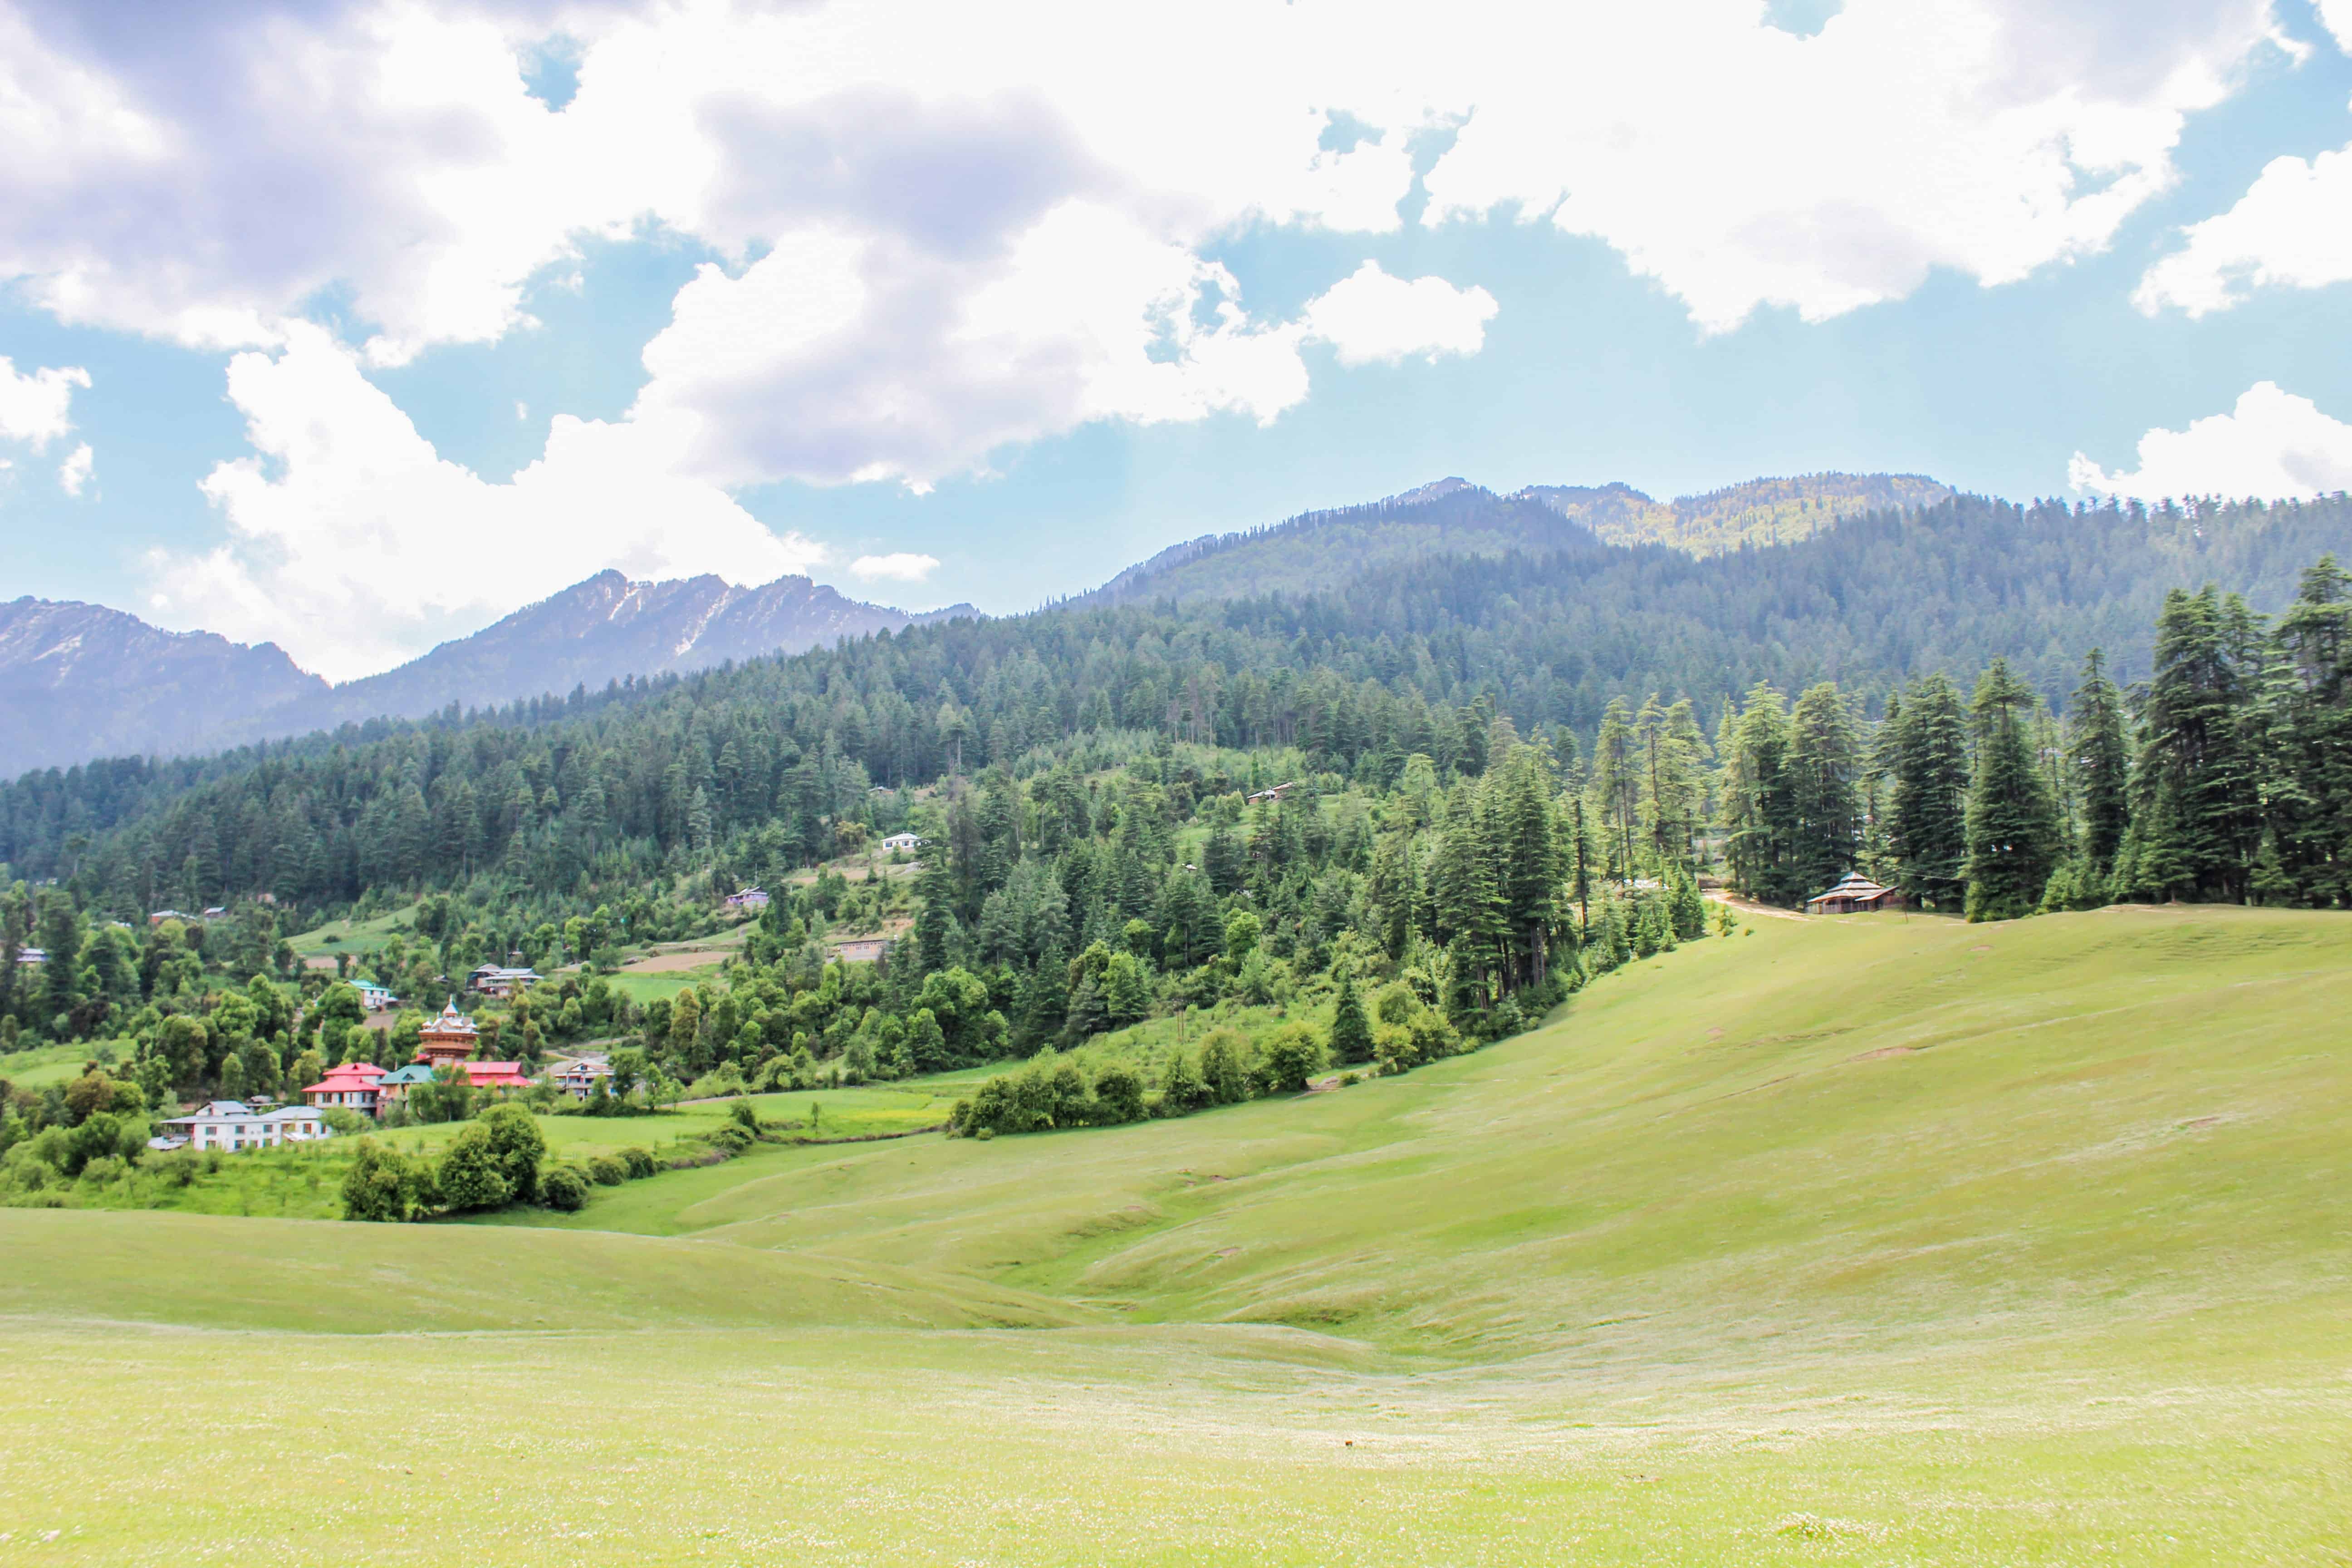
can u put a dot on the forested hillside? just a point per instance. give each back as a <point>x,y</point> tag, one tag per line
<point>1389,880</point>
<point>641,780</point>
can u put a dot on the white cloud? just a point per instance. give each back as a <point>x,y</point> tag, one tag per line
<point>1369,316</point>
<point>2336,17</point>
<point>2272,446</point>
<point>74,472</point>
<point>355,545</point>
<point>37,408</point>
<point>1025,192</point>
<point>2293,229</point>
<point>900,567</point>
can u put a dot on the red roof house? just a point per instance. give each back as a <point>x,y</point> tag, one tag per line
<point>351,1085</point>
<point>496,1075</point>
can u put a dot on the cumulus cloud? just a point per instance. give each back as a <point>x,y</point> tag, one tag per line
<point>206,169</point>
<point>898,567</point>
<point>37,407</point>
<point>2272,446</point>
<point>2289,230</point>
<point>353,544</point>
<point>1369,316</point>
<point>74,472</point>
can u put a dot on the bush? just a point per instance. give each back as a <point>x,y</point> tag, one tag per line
<point>382,1185</point>
<point>471,1174</point>
<point>1227,1059</point>
<point>563,1187</point>
<point>608,1170</point>
<point>1292,1054</point>
<point>519,1146</point>
<point>641,1162</point>
<point>730,1137</point>
<point>1118,1094</point>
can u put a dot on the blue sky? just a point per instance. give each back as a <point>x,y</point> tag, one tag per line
<point>968,321</point>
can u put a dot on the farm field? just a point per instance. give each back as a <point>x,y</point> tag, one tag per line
<point>1877,1240</point>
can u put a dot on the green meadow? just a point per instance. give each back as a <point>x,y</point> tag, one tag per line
<point>1878,1241</point>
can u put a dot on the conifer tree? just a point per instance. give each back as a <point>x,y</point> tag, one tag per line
<point>1352,1032</point>
<point>1758,807</point>
<point>2098,760</point>
<point>1928,826</point>
<point>1825,758</point>
<point>2013,823</point>
<point>2195,808</point>
<point>1616,788</point>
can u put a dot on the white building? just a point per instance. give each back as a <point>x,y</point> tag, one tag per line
<point>233,1125</point>
<point>579,1076</point>
<point>898,841</point>
<point>373,998</point>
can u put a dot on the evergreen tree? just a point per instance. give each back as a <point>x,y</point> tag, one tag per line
<point>1759,804</point>
<point>2098,760</point>
<point>1825,762</point>
<point>1352,1032</point>
<point>2196,807</point>
<point>2012,824</point>
<point>1928,830</point>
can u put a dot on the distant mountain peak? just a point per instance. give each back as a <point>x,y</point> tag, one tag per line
<point>1436,489</point>
<point>176,693</point>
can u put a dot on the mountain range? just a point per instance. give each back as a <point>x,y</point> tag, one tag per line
<point>80,681</point>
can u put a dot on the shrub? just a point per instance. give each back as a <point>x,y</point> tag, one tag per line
<point>1226,1059</point>
<point>471,1174</point>
<point>381,1184</point>
<point>641,1162</point>
<point>1291,1055</point>
<point>746,1115</point>
<point>563,1187</point>
<point>517,1144</point>
<point>608,1170</point>
<point>1182,1089</point>
<point>1118,1094</point>
<point>730,1137</point>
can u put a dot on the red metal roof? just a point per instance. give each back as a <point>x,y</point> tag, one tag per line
<point>495,1075</point>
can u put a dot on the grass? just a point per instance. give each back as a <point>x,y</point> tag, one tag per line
<point>1884,1241</point>
<point>662,984</point>
<point>358,938</point>
<point>41,1065</point>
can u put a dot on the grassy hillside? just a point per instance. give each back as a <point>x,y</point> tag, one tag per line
<point>1867,1241</point>
<point>1760,511</point>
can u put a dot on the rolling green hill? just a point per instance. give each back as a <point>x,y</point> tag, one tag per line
<point>1865,1241</point>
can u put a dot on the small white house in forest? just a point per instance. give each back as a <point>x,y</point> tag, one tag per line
<point>907,842</point>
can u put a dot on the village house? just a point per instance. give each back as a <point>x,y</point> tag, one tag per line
<point>351,1086</point>
<point>898,842</point>
<point>1276,793</point>
<point>862,949</point>
<point>32,956</point>
<point>1855,895</point>
<point>160,916</point>
<point>578,1076</point>
<point>232,1125</point>
<point>496,1075</point>
<point>373,998</point>
<point>392,1087</point>
<point>495,980</point>
<point>747,898</point>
